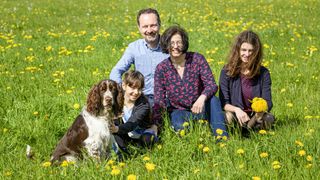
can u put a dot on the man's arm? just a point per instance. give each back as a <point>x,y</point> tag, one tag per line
<point>123,65</point>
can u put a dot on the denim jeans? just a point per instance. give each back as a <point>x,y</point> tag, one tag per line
<point>212,112</point>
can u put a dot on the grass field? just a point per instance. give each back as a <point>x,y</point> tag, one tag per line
<point>53,51</point>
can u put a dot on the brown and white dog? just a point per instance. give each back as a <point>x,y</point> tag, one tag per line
<point>90,131</point>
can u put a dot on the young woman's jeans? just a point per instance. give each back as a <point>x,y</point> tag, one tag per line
<point>212,112</point>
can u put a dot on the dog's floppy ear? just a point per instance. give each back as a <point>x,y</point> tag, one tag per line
<point>120,101</point>
<point>94,100</point>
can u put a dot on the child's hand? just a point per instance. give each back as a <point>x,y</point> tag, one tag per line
<point>113,128</point>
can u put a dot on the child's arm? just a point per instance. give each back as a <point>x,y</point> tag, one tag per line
<point>140,117</point>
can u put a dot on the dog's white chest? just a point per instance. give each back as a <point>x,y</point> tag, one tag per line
<point>98,135</point>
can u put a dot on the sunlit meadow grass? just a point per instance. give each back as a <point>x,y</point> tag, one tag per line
<point>52,52</point>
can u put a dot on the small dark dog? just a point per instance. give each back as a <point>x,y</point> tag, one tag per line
<point>90,130</point>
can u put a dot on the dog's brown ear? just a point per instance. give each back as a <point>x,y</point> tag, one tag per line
<point>94,100</point>
<point>120,101</point>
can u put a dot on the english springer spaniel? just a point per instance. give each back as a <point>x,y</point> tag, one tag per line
<point>90,131</point>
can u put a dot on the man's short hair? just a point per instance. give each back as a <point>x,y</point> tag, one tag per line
<point>148,11</point>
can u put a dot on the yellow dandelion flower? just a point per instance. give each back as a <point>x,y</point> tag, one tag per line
<point>195,171</point>
<point>200,146</point>
<point>222,145</point>
<point>69,91</point>
<point>64,163</point>
<point>224,138</point>
<point>262,131</point>
<point>256,178</point>
<point>309,158</point>
<point>206,149</point>
<point>185,124</point>
<point>299,143</point>
<point>282,90</point>
<point>49,48</point>
<point>46,164</point>
<point>202,121</point>
<point>5,130</point>
<point>76,106</point>
<point>36,113</point>
<point>219,131</point>
<point>259,105</point>
<point>302,153</point>
<point>308,166</point>
<point>150,166</point>
<point>27,37</point>
<point>131,177</point>
<point>122,164</point>
<point>240,151</point>
<point>182,132</point>
<point>276,165</point>
<point>8,173</point>
<point>110,162</point>
<point>264,154</point>
<point>220,62</point>
<point>115,172</point>
<point>290,105</point>
<point>146,158</point>
<point>275,162</point>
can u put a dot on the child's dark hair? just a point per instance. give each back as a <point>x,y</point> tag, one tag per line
<point>133,79</point>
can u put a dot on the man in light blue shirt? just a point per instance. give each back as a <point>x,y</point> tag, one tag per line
<point>145,54</point>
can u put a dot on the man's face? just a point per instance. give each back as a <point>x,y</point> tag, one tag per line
<point>149,27</point>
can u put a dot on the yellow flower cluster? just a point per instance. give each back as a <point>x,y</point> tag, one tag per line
<point>259,105</point>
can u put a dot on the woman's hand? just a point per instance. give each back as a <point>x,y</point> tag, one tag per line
<point>113,128</point>
<point>242,116</point>
<point>198,106</point>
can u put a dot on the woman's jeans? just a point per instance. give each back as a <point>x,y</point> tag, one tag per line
<point>212,112</point>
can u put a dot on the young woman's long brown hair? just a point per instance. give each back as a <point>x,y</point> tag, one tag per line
<point>235,65</point>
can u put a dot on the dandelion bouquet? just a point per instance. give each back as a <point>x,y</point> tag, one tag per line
<point>259,106</point>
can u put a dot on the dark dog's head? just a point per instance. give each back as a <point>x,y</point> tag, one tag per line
<point>106,96</point>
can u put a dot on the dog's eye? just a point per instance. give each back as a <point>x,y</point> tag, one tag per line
<point>103,88</point>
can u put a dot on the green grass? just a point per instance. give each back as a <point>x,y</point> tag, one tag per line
<point>52,52</point>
